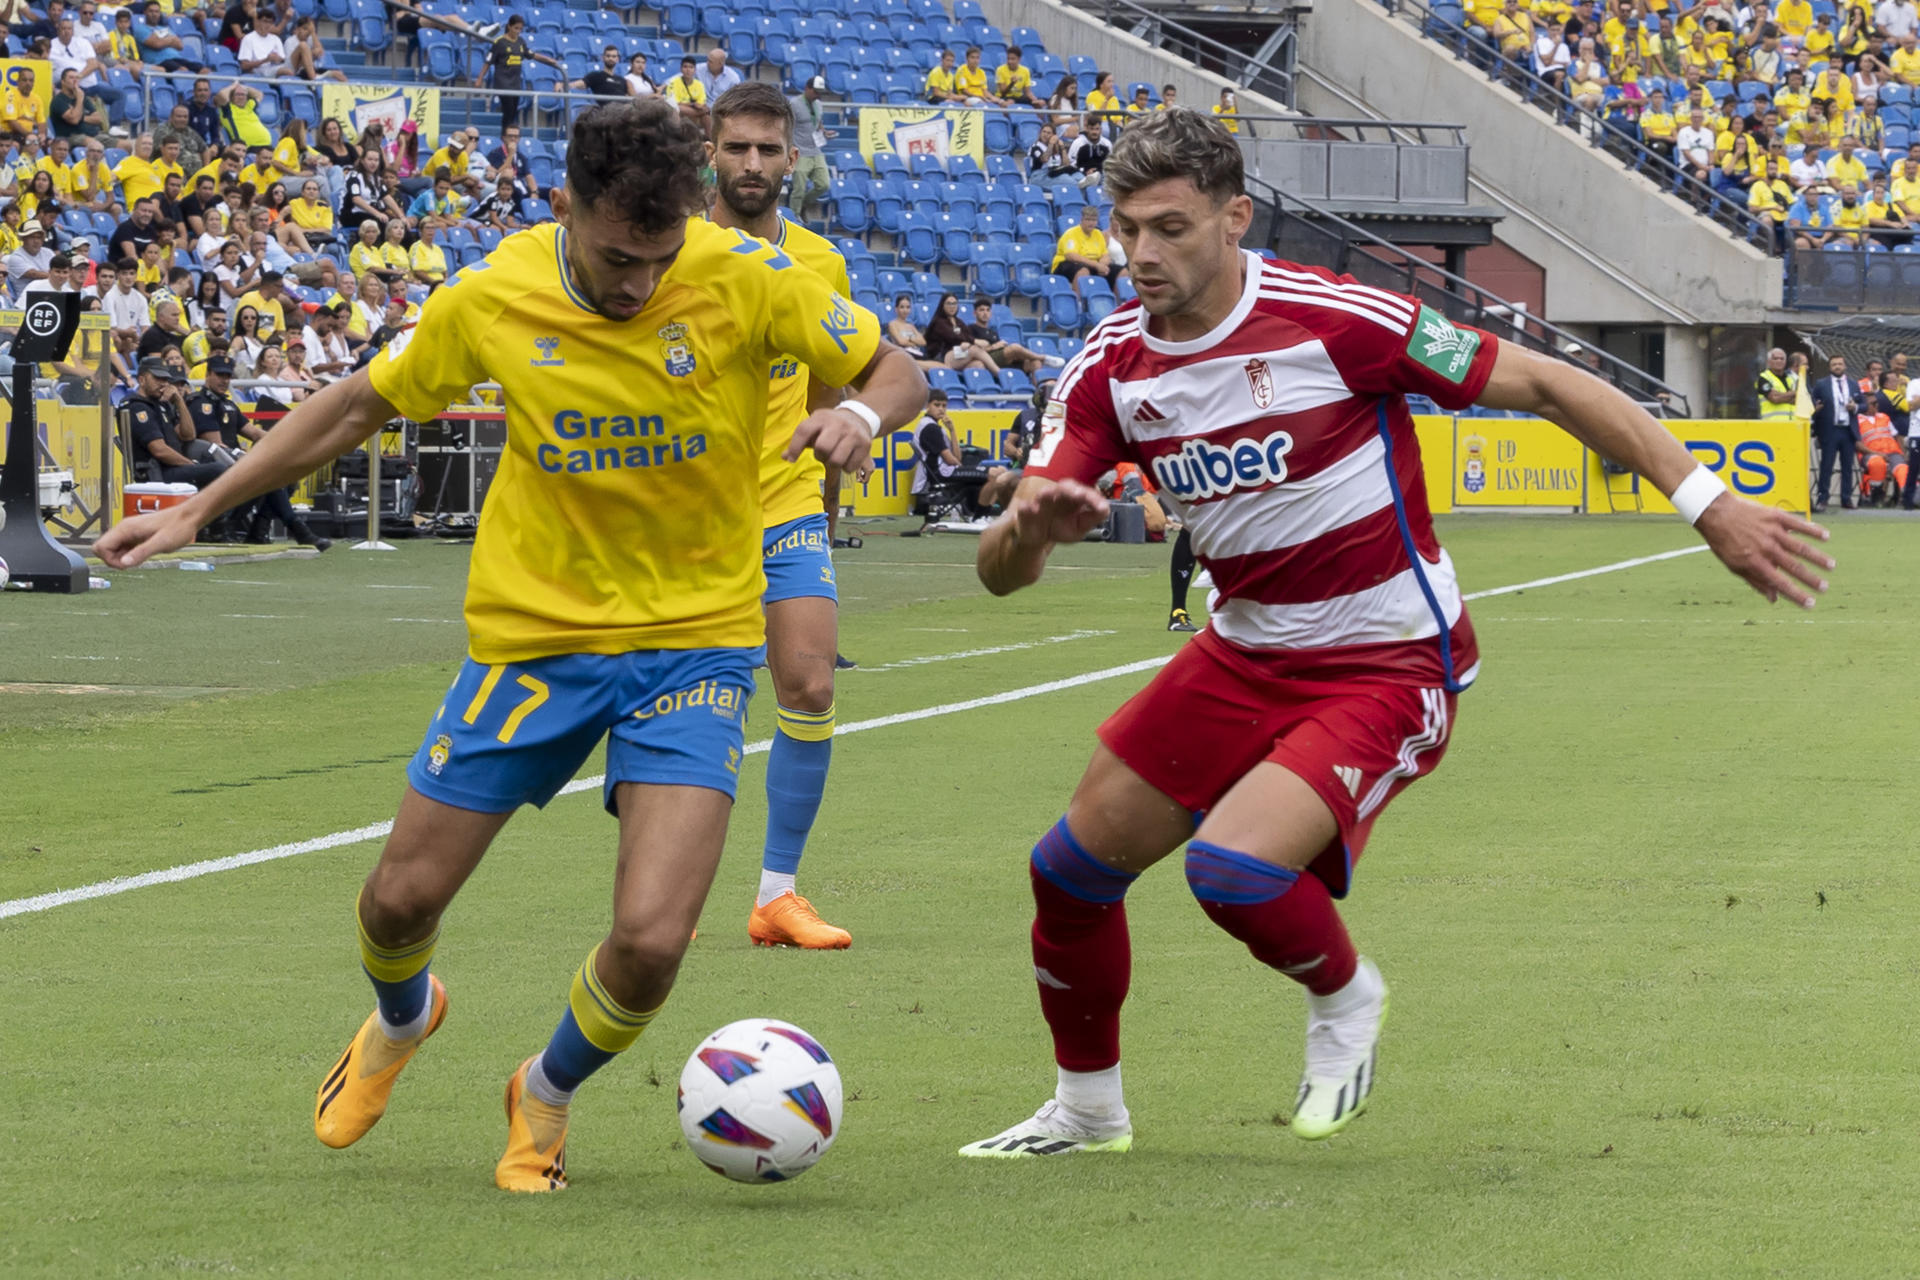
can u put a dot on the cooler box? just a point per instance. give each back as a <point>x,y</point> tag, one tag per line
<point>142,499</point>
<point>1126,522</point>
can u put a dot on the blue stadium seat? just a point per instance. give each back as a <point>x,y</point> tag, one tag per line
<point>489,238</point>
<point>1892,95</point>
<point>1085,70</point>
<point>839,74</point>
<point>682,20</point>
<point>1123,289</point>
<point>1097,296</point>
<point>1032,260</point>
<point>956,238</point>
<point>947,380</point>
<point>371,34</point>
<point>1898,137</point>
<point>928,168</point>
<point>994,227</point>
<point>1034,227</point>
<point>743,46</point>
<point>536,210</point>
<point>1029,39</point>
<point>966,170</point>
<point>889,203</point>
<point>922,239</point>
<point>1003,167</point>
<point>852,208</point>
<point>337,11</point>
<point>1015,382</point>
<point>1063,308</point>
<point>993,269</point>
<point>890,284</point>
<point>979,383</point>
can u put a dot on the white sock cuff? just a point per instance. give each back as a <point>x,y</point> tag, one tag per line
<point>1362,988</point>
<point>544,1089</point>
<point>772,885</point>
<point>413,1027</point>
<point>1095,1095</point>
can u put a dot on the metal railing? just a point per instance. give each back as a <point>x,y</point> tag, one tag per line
<point>1853,279</point>
<point>1599,130</point>
<point>1248,70</point>
<point>1303,231</point>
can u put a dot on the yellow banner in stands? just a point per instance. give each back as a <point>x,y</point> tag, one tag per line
<point>922,131</point>
<point>42,79</point>
<point>1435,433</point>
<point>1516,462</point>
<point>889,490</point>
<point>359,105</point>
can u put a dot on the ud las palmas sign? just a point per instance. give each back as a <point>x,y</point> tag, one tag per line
<point>34,559</point>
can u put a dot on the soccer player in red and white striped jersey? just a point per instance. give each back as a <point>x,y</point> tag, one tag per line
<point>1268,402</point>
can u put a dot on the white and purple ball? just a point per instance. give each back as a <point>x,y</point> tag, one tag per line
<point>759,1101</point>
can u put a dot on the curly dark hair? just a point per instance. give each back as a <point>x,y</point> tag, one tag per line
<point>639,161</point>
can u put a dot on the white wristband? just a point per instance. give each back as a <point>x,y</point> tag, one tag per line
<point>1696,493</point>
<point>864,412</point>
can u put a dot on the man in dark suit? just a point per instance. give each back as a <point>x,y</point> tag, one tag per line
<point>1836,431</point>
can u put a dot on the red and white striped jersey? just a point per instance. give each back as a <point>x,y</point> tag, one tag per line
<point>1284,437</point>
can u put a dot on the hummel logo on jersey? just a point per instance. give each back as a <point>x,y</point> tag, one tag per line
<point>1147,413</point>
<point>1349,777</point>
<point>1437,344</point>
<point>546,346</point>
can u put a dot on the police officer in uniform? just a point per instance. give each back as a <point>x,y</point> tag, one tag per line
<point>216,420</point>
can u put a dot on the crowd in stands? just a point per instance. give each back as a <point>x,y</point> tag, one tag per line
<point>1800,111</point>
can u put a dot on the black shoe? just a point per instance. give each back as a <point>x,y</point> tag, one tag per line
<point>841,662</point>
<point>1179,621</point>
<point>260,534</point>
<point>306,537</point>
<point>1819,508</point>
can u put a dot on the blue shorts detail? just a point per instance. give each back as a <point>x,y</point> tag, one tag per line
<point>671,716</point>
<point>799,560</point>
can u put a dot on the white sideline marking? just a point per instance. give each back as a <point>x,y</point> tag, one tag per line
<point>378,830</point>
<point>990,649</point>
<point>1615,567</point>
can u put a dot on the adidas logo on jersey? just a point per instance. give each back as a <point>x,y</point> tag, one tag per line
<point>1349,778</point>
<point>1147,413</point>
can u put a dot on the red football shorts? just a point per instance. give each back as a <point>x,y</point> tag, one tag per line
<point>1215,712</point>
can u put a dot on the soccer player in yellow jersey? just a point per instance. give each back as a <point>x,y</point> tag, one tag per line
<point>751,151</point>
<point>614,588</point>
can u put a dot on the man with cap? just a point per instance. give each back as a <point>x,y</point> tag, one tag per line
<point>215,419</point>
<point>810,177</point>
<point>31,260</point>
<point>154,413</point>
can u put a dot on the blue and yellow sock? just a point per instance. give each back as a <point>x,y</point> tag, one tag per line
<point>796,780</point>
<point>400,982</point>
<point>593,1031</point>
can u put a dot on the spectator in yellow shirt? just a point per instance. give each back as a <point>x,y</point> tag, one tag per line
<point>365,256</point>
<point>1228,112</point>
<point>452,157</point>
<point>1014,82</point>
<point>1849,216</point>
<point>940,81</point>
<point>1769,204</point>
<point>1819,41</point>
<point>1513,32</point>
<point>136,173</point>
<point>1793,17</point>
<point>1791,98</point>
<point>1105,101</point>
<point>394,250</point>
<point>56,165</point>
<point>1905,63</point>
<point>310,212</point>
<point>1834,86</point>
<point>1906,189</point>
<point>1142,103</point>
<point>1847,168</point>
<point>20,110</point>
<point>427,260</point>
<point>1082,251</point>
<point>970,81</point>
<point>1883,213</point>
<point>687,94</point>
<point>1657,126</point>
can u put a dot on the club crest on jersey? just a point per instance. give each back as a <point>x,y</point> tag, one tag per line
<point>1473,471</point>
<point>1260,381</point>
<point>1202,469</point>
<point>546,358</point>
<point>1053,428</point>
<point>439,753</point>
<point>676,350</point>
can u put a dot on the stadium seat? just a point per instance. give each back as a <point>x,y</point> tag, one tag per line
<point>979,383</point>
<point>536,210</point>
<point>889,204</point>
<point>922,239</point>
<point>1097,296</point>
<point>1014,382</point>
<point>956,238</point>
<point>889,164</point>
<point>947,380</point>
<point>1063,308</point>
<point>852,208</point>
<point>993,269</point>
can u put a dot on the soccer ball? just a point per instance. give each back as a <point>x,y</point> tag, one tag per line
<point>6,575</point>
<point>759,1101</point>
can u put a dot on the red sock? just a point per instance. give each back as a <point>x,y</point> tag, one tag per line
<point>1297,930</point>
<point>1083,961</point>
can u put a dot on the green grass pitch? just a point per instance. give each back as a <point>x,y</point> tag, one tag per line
<point>1649,931</point>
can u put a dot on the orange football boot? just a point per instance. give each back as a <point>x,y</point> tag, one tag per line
<point>790,921</point>
<point>536,1158</point>
<point>354,1095</point>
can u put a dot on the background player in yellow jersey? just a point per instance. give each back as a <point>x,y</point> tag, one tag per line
<point>751,152</point>
<point>614,590</point>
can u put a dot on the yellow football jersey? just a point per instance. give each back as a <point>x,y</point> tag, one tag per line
<point>789,490</point>
<point>626,510</point>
